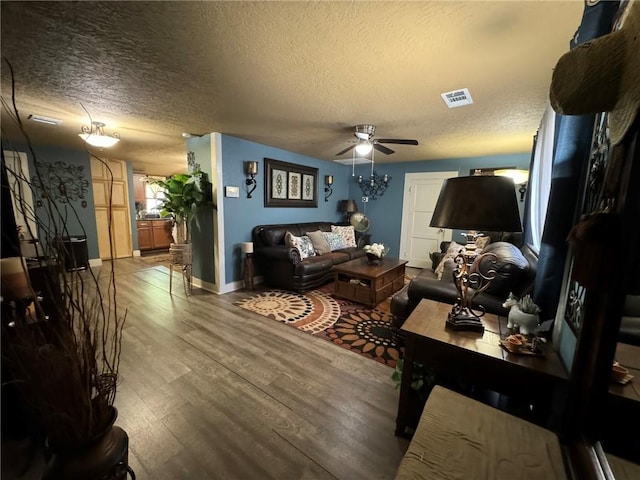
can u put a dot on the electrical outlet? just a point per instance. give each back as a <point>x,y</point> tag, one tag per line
<point>365,199</point>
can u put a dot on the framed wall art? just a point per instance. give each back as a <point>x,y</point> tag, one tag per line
<point>289,184</point>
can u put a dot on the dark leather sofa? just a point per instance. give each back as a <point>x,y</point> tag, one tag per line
<point>516,272</point>
<point>282,267</point>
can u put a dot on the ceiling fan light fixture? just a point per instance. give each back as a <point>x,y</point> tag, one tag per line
<point>94,135</point>
<point>364,147</point>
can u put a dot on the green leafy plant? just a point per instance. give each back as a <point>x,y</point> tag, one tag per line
<point>526,305</point>
<point>184,193</point>
<point>422,379</point>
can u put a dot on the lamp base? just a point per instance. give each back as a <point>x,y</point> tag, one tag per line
<point>465,322</point>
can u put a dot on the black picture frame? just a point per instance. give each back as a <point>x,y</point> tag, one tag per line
<point>290,185</point>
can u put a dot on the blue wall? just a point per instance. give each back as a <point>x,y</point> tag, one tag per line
<point>385,213</point>
<point>132,206</point>
<point>79,220</point>
<point>242,214</point>
<point>202,225</point>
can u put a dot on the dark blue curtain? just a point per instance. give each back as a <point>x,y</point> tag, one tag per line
<point>571,155</point>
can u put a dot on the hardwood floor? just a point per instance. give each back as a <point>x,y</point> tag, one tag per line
<point>210,391</point>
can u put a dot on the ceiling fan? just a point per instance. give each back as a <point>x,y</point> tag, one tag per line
<point>366,142</point>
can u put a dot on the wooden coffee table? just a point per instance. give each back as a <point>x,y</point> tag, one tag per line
<point>368,284</point>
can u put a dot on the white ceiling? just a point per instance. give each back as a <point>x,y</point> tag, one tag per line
<point>293,75</point>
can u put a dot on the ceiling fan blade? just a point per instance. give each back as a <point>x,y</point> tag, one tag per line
<point>382,148</point>
<point>398,141</point>
<point>345,150</point>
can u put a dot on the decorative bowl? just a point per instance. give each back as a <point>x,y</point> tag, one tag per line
<point>373,259</point>
<point>618,372</point>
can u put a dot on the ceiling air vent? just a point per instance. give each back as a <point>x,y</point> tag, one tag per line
<point>45,120</point>
<point>457,98</point>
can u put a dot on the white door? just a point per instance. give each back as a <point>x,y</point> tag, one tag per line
<point>19,181</point>
<point>417,238</point>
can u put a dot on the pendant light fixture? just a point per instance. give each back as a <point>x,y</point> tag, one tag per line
<point>95,135</point>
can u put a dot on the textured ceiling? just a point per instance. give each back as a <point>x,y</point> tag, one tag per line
<point>293,75</point>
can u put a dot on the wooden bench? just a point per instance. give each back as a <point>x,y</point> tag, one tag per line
<point>458,437</point>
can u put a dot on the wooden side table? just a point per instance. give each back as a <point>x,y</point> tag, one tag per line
<point>475,358</point>
<point>248,271</point>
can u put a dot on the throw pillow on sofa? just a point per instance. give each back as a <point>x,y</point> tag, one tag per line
<point>347,232</point>
<point>452,251</point>
<point>482,242</point>
<point>302,244</point>
<point>335,241</point>
<point>319,241</point>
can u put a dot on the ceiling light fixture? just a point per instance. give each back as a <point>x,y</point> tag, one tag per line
<point>364,147</point>
<point>95,135</point>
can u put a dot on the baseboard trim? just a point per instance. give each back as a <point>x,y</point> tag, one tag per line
<point>208,286</point>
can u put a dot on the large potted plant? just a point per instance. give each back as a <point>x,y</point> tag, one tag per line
<point>183,194</point>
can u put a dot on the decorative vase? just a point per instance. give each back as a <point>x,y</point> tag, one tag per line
<point>106,456</point>
<point>373,259</point>
<point>527,322</point>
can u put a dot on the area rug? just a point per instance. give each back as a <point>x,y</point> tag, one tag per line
<point>156,258</point>
<point>350,325</point>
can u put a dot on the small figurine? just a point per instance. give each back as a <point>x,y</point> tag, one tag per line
<point>523,313</point>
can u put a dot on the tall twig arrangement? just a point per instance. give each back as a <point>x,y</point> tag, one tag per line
<point>61,347</point>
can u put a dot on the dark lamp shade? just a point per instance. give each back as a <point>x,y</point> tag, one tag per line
<point>477,203</point>
<point>348,206</point>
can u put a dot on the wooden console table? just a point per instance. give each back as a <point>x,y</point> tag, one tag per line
<point>368,284</point>
<point>472,357</point>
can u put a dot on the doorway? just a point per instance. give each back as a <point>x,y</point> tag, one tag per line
<point>417,238</point>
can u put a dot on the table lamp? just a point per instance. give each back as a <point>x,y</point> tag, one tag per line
<point>474,204</point>
<point>347,207</point>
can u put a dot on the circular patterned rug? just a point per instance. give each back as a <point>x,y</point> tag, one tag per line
<point>312,312</point>
<point>350,325</point>
<point>368,332</point>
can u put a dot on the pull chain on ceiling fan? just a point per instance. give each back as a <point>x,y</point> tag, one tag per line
<point>364,133</point>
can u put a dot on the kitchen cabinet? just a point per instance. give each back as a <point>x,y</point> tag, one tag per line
<point>154,234</point>
<point>111,200</point>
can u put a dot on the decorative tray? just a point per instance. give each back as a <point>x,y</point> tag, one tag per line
<point>520,346</point>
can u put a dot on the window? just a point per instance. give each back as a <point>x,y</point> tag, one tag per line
<point>540,177</point>
<point>154,194</point>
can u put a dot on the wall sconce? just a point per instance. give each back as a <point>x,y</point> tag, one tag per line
<point>251,170</point>
<point>328,181</point>
<point>376,185</point>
